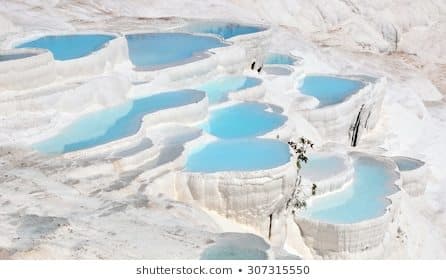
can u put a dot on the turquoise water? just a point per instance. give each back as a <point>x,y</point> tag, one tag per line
<point>224,29</point>
<point>364,199</point>
<point>330,90</point>
<point>238,155</point>
<point>406,164</point>
<point>151,50</point>
<point>236,246</point>
<point>321,166</point>
<point>233,252</point>
<point>219,89</point>
<point>277,70</point>
<point>111,124</point>
<point>65,47</point>
<point>278,58</point>
<point>248,119</point>
<point>13,56</point>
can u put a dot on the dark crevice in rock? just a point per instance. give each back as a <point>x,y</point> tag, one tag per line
<point>354,129</point>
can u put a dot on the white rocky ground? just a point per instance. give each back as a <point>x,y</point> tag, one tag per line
<point>43,215</point>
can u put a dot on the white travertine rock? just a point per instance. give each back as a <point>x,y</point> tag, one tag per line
<point>187,114</point>
<point>246,197</point>
<point>357,25</point>
<point>328,180</point>
<point>254,93</point>
<point>114,52</point>
<point>230,59</point>
<point>44,112</point>
<point>100,92</point>
<point>424,88</point>
<point>27,73</point>
<point>255,44</point>
<point>129,153</point>
<point>337,122</point>
<point>98,62</point>
<point>280,85</point>
<point>202,65</point>
<point>414,180</point>
<point>330,240</point>
<point>7,26</point>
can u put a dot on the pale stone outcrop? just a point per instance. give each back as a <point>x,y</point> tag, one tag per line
<point>345,122</point>
<point>333,240</point>
<point>414,179</point>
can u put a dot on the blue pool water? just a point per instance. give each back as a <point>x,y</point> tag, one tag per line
<point>248,119</point>
<point>224,29</point>
<point>219,89</point>
<point>406,164</point>
<point>330,90</point>
<point>238,155</point>
<point>13,56</point>
<point>233,252</point>
<point>114,123</point>
<point>278,58</point>
<point>65,47</point>
<point>364,199</point>
<point>277,70</point>
<point>236,246</point>
<point>321,166</point>
<point>151,50</point>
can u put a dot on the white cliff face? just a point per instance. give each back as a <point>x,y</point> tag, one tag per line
<point>7,26</point>
<point>358,24</point>
<point>402,40</point>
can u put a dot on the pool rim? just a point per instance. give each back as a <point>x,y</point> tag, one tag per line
<point>366,85</point>
<point>13,43</point>
<point>206,138</point>
<point>391,198</point>
<point>396,158</point>
<point>231,103</point>
<point>127,139</point>
<point>346,174</point>
<point>196,56</point>
<point>414,180</point>
<point>32,51</point>
<point>253,93</point>
<point>298,61</point>
<point>290,68</point>
<point>264,27</point>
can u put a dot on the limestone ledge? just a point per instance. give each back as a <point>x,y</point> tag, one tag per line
<point>44,70</point>
<point>414,180</point>
<point>336,122</point>
<point>328,240</point>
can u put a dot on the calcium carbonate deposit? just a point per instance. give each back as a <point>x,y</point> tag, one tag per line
<point>177,129</point>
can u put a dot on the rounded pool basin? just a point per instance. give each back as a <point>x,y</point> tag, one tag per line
<point>14,56</point>
<point>277,70</point>
<point>66,47</point>
<point>233,252</point>
<point>236,246</point>
<point>247,119</point>
<point>407,164</point>
<point>278,58</point>
<point>238,155</point>
<point>330,90</point>
<point>159,50</point>
<point>320,166</point>
<point>111,124</point>
<point>225,30</point>
<point>219,89</point>
<point>365,199</point>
